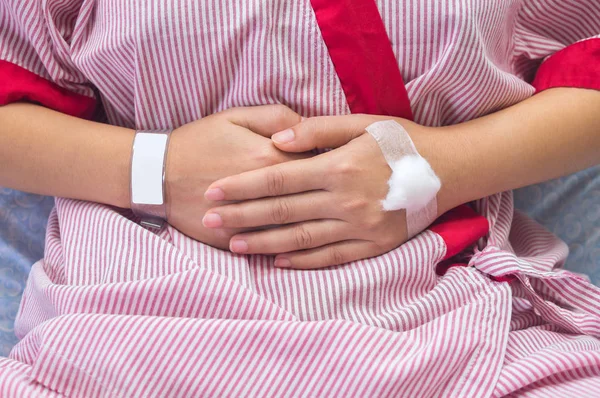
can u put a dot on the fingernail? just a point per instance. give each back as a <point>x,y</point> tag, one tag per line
<point>302,119</point>
<point>214,194</point>
<point>238,246</point>
<point>212,220</point>
<point>284,136</point>
<point>282,263</point>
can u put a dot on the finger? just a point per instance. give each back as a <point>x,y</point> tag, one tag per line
<point>290,238</point>
<point>329,255</point>
<point>281,179</point>
<point>323,132</point>
<point>279,210</point>
<point>265,120</point>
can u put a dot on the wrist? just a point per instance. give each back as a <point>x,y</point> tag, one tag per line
<point>445,153</point>
<point>175,171</point>
<point>148,168</point>
<point>115,168</point>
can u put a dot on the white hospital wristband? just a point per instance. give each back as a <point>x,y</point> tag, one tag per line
<point>148,164</point>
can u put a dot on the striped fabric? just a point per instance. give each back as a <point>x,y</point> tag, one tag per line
<point>115,310</point>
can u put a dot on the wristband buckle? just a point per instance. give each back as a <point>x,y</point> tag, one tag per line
<point>148,171</point>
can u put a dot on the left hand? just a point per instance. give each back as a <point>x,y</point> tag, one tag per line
<point>327,208</point>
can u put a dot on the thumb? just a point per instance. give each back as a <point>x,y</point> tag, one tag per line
<point>322,132</point>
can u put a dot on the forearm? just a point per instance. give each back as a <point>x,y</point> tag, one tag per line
<point>48,153</point>
<point>552,134</point>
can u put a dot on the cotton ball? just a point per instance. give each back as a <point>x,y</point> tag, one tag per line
<point>413,184</point>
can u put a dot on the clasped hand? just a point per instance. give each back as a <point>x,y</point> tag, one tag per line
<point>313,212</point>
<point>223,144</point>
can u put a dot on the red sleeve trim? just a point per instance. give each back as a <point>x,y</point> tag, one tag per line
<point>18,84</point>
<point>577,65</point>
<point>460,228</point>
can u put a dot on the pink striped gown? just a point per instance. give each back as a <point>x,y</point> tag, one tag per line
<point>115,310</point>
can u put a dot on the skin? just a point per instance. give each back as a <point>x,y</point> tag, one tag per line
<point>329,204</point>
<point>310,211</point>
<point>49,153</point>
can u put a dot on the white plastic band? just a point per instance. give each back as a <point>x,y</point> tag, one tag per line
<point>413,184</point>
<point>147,177</point>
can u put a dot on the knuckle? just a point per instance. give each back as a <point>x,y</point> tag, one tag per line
<point>345,169</point>
<point>328,165</point>
<point>303,237</point>
<point>275,182</point>
<point>281,212</point>
<point>228,112</point>
<point>355,205</point>
<point>281,113</point>
<point>386,242</point>
<point>336,256</point>
<point>267,157</point>
<point>372,222</point>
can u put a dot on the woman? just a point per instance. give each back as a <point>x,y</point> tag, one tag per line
<point>115,308</point>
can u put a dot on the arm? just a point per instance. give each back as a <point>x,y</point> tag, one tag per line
<point>42,149</point>
<point>46,152</point>
<point>552,134</point>
<point>331,203</point>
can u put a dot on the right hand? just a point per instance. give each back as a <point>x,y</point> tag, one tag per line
<point>220,145</point>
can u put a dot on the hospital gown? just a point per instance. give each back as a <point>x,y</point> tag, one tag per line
<point>476,305</point>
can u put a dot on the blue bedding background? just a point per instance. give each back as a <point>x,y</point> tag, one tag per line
<point>23,220</point>
<point>569,207</point>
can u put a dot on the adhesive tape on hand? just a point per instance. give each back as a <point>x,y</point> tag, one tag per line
<point>413,185</point>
